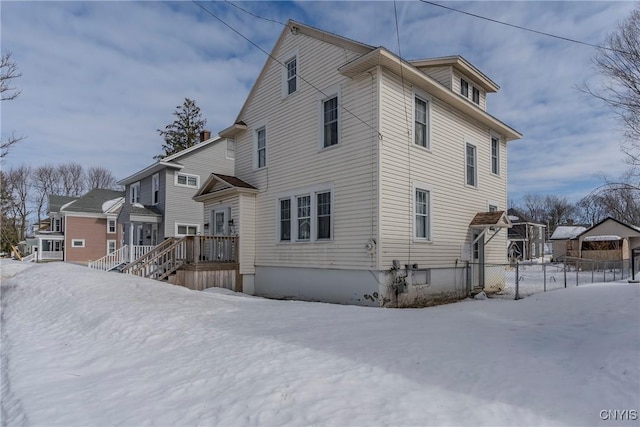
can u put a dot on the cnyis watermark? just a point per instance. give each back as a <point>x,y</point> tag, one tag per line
<point>619,415</point>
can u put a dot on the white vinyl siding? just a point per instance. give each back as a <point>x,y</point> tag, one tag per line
<point>176,201</point>
<point>297,159</point>
<point>453,204</point>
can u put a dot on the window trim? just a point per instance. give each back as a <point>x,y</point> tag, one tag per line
<point>328,94</point>
<point>293,196</point>
<point>422,186</point>
<point>81,242</point>
<point>115,245</point>
<point>177,225</point>
<point>187,175</point>
<point>230,143</point>
<point>474,91</point>
<point>115,225</point>
<point>155,188</point>
<point>498,141</point>
<point>260,126</point>
<point>136,193</point>
<point>464,87</point>
<point>285,74</point>
<point>475,164</point>
<point>429,101</point>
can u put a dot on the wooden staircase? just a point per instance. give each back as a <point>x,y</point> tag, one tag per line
<point>160,262</point>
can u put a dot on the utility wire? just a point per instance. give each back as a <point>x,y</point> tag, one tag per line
<point>254,15</point>
<point>523,28</point>
<point>283,65</point>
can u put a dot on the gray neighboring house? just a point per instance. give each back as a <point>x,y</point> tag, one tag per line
<point>159,198</point>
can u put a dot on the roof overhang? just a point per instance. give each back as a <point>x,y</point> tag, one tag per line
<point>156,167</point>
<point>461,64</point>
<point>229,185</point>
<point>382,57</point>
<point>484,220</point>
<point>233,130</point>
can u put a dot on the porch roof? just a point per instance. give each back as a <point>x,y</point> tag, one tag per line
<point>221,184</point>
<point>490,219</point>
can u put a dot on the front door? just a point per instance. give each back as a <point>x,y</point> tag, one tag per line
<point>477,259</point>
<point>221,248</point>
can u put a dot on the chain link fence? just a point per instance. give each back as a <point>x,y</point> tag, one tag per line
<point>515,281</point>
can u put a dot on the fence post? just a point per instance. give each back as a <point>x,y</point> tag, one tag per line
<point>577,272</point>
<point>517,279</point>
<point>565,274</point>
<point>544,275</point>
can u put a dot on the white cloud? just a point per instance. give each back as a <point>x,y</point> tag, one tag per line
<point>100,77</point>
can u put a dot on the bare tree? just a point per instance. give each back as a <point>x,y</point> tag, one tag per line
<point>45,180</point>
<point>99,177</point>
<point>551,210</point>
<point>8,72</point>
<point>17,187</point>
<point>619,62</point>
<point>72,179</point>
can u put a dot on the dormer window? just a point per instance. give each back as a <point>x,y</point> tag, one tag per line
<point>464,88</point>
<point>476,95</point>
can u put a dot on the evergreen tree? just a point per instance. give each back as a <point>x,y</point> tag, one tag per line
<point>185,130</point>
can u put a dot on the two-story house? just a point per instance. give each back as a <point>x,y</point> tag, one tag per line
<point>363,178</point>
<point>159,198</point>
<point>82,229</point>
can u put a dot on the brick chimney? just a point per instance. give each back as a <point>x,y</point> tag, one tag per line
<point>204,135</point>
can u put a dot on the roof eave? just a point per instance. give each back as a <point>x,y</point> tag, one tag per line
<point>390,61</point>
<point>149,170</point>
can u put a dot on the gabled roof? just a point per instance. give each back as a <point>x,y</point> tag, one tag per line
<point>94,201</point>
<point>462,65</point>
<point>635,231</point>
<point>56,202</point>
<point>297,28</point>
<point>167,162</point>
<point>218,183</point>
<point>490,219</point>
<point>389,60</point>
<point>564,232</point>
<point>371,57</point>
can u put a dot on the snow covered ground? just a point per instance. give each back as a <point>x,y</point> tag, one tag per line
<point>82,347</point>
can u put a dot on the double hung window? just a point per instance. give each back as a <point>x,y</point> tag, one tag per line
<point>305,217</point>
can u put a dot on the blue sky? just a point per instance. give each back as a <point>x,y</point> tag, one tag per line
<point>99,78</point>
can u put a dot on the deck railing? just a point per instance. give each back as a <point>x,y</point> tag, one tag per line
<point>112,260</point>
<point>50,255</point>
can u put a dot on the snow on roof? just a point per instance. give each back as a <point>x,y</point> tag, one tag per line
<point>109,204</point>
<point>567,232</point>
<point>602,238</point>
